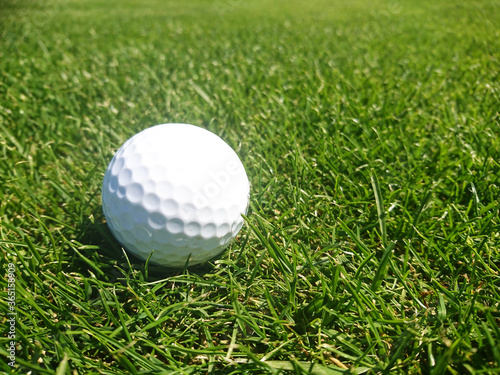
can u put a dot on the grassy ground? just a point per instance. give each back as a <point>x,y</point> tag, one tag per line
<point>369,130</point>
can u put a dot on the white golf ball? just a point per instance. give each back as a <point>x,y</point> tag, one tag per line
<point>175,191</point>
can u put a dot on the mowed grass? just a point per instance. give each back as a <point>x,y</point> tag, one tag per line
<point>369,131</point>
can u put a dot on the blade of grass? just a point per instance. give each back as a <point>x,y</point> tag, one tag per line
<point>379,201</point>
<point>382,267</point>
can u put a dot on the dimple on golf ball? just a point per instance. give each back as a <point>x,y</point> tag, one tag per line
<point>175,192</point>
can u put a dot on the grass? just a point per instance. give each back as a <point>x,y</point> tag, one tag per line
<point>369,130</point>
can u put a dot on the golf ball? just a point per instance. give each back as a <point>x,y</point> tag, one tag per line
<point>175,192</point>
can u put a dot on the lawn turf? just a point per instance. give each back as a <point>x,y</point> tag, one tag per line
<point>370,133</point>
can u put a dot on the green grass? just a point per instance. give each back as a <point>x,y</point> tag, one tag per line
<point>370,131</point>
